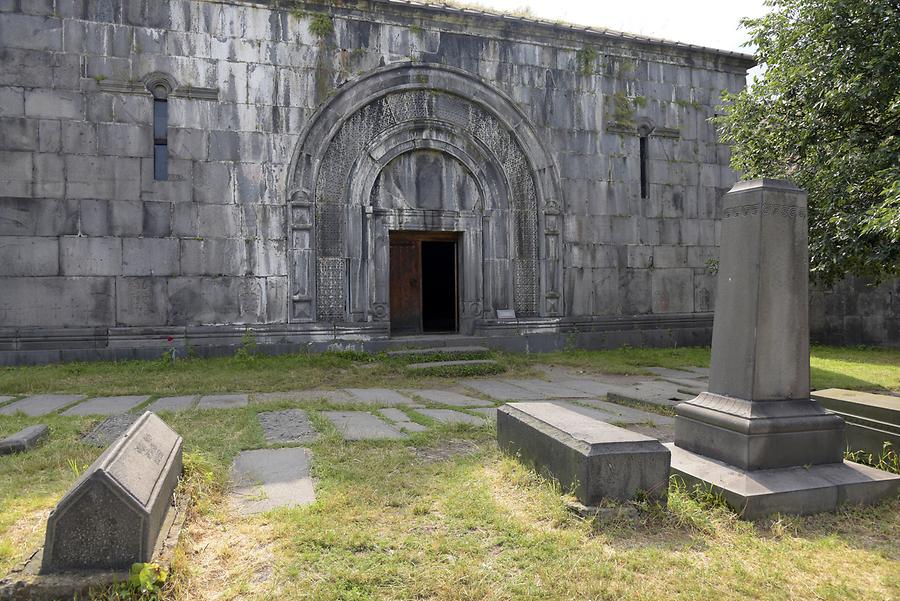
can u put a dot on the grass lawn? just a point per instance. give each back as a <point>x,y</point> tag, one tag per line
<point>444,515</point>
<point>840,367</point>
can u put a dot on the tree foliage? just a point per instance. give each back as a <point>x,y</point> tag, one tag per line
<point>826,114</point>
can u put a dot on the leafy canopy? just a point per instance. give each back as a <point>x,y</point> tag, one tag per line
<point>826,114</point>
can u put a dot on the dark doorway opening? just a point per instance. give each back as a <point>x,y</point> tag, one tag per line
<point>423,282</point>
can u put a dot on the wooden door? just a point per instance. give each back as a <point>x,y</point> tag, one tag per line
<point>406,294</point>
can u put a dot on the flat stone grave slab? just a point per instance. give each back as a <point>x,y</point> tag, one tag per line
<point>112,516</point>
<point>401,420</point>
<point>223,401</point>
<point>620,414</point>
<point>659,393</point>
<point>448,397</point>
<point>107,405</point>
<point>591,388</point>
<point>596,459</point>
<point>795,490</point>
<point>107,431</point>
<point>871,420</point>
<point>552,390</point>
<point>694,387</point>
<point>4,399</point>
<point>379,396</point>
<point>360,425</point>
<point>24,440</point>
<point>288,426</point>
<point>503,390</point>
<point>40,404</point>
<point>267,479</point>
<point>449,416</point>
<point>173,403</point>
<point>331,396</point>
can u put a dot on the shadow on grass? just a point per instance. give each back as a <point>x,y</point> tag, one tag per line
<point>823,378</point>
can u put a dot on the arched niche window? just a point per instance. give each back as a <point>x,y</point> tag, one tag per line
<point>160,86</point>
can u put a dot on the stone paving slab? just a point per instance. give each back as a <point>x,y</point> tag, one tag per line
<point>40,404</point>
<point>104,433</point>
<point>4,399</point>
<point>290,425</point>
<point>448,397</point>
<point>593,388</point>
<point>502,390</point>
<point>24,440</point>
<point>621,414</point>
<point>331,396</point>
<point>223,401</point>
<point>173,403</point>
<point>107,405</point>
<point>360,425</point>
<point>379,396</point>
<point>266,479</point>
<point>553,390</point>
<point>666,373</point>
<point>656,393</point>
<point>489,412</point>
<point>449,416</point>
<point>402,420</point>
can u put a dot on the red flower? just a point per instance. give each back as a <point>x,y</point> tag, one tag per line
<point>169,338</point>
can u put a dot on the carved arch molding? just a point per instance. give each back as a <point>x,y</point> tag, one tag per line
<point>338,233</point>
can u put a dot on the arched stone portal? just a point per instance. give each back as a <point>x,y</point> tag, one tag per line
<point>423,148</point>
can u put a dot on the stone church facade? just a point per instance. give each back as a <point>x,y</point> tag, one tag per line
<point>173,172</point>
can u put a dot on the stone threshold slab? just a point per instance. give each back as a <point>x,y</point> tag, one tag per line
<point>793,490</point>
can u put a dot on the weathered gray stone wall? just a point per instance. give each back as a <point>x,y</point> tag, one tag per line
<point>855,312</point>
<point>89,239</point>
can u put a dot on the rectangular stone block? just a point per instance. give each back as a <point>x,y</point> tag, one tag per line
<point>150,256</point>
<point>120,139</point>
<point>90,256</point>
<point>31,31</point>
<point>59,104</point>
<point>27,256</point>
<point>595,459</point>
<point>19,134</point>
<point>141,301</point>
<point>23,440</point>
<point>16,175</point>
<point>113,515</point>
<point>38,217</point>
<point>114,178</point>
<point>57,301</point>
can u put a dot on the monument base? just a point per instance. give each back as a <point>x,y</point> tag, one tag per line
<point>758,435</point>
<point>793,490</point>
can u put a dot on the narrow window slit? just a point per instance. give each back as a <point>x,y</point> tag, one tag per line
<point>643,166</point>
<point>160,139</point>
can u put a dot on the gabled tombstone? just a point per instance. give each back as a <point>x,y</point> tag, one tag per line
<point>112,516</point>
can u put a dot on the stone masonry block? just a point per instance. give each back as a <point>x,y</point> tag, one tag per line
<point>12,102</point>
<point>217,221</point>
<point>38,217</point>
<point>49,178</point>
<point>16,174</point>
<point>79,137</point>
<point>58,104</point>
<point>213,256</point>
<point>28,256</point>
<point>31,32</point>
<point>94,218</point>
<point>141,301</point>
<point>119,139</point>
<point>126,218</point>
<point>157,221</point>
<point>57,301</point>
<point>212,183</point>
<point>150,256</point>
<point>673,290</point>
<point>49,134</point>
<point>103,177</point>
<point>90,256</point>
<point>18,134</point>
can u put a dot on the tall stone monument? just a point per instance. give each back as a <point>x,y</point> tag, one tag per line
<point>757,436</point>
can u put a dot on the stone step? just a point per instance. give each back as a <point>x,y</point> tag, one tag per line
<point>440,350</point>
<point>457,367</point>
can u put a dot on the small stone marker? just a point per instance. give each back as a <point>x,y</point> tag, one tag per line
<point>172,403</point>
<point>267,479</point>
<point>23,440</point>
<point>359,425</point>
<point>107,431</point>
<point>506,314</point>
<point>598,459</point>
<point>41,404</point>
<point>290,425</point>
<point>448,397</point>
<point>106,405</point>
<point>223,401</point>
<point>379,396</point>
<point>112,516</point>
<point>449,416</point>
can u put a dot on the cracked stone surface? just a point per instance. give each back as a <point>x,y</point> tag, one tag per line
<point>290,425</point>
<point>104,433</point>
